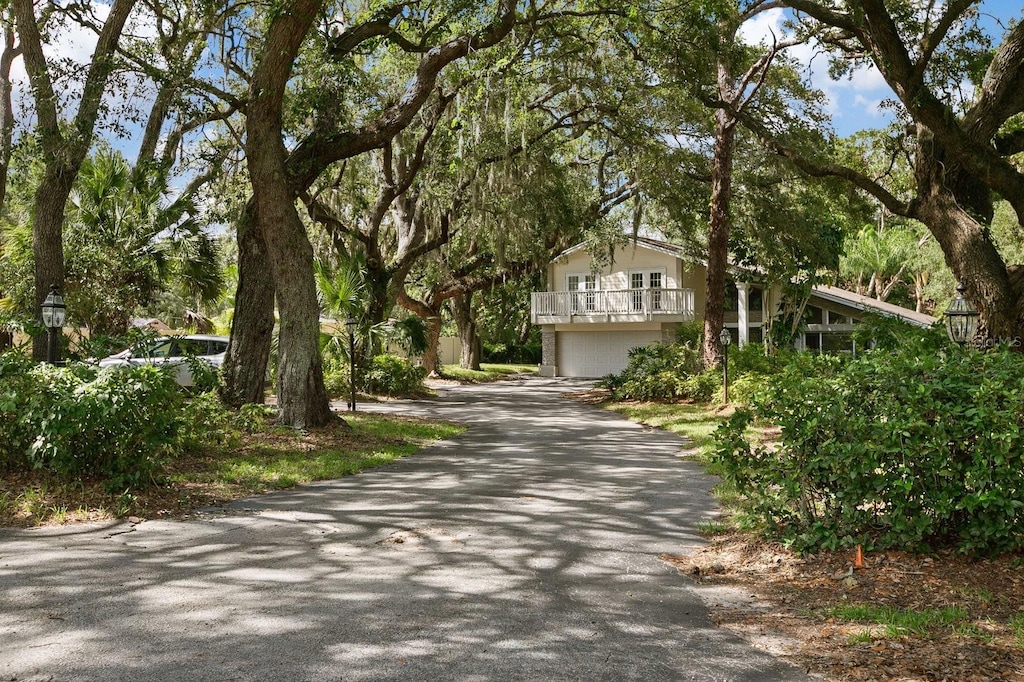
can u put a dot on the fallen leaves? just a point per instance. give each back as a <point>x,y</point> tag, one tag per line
<point>802,593</point>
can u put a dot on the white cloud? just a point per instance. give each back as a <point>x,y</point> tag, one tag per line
<point>846,99</point>
<point>866,79</point>
<point>871,107</point>
<point>73,42</point>
<point>763,29</point>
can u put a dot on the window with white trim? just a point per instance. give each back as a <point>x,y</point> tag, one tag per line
<point>585,286</point>
<point>646,280</point>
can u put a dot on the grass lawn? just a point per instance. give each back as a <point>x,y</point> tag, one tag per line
<point>488,372</point>
<point>696,423</point>
<point>245,465</point>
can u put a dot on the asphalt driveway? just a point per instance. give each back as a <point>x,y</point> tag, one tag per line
<point>525,549</point>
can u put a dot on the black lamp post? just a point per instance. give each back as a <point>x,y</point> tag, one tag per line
<point>53,319</point>
<point>961,318</point>
<point>350,325</point>
<point>726,338</point>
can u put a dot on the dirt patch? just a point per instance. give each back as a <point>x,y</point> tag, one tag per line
<point>799,607</point>
<point>593,396</point>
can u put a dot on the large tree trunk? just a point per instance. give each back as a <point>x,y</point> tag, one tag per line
<point>62,155</point>
<point>431,316</point>
<point>958,208</point>
<point>47,242</point>
<point>431,359</point>
<point>301,397</point>
<point>252,327</point>
<point>465,321</point>
<point>718,238</point>
<point>6,105</point>
<point>974,260</point>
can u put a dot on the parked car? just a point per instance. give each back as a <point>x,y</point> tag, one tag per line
<point>173,351</point>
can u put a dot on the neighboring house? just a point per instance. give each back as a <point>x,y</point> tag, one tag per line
<point>590,318</point>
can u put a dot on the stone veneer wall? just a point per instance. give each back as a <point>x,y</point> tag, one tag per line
<point>549,351</point>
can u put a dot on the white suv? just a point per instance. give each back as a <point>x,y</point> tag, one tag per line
<point>173,351</point>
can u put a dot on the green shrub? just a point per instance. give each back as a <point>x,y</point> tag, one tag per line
<point>750,370</point>
<point>889,333</point>
<point>337,381</point>
<point>392,375</point>
<point>893,449</point>
<point>690,334</point>
<point>701,387</point>
<point>659,371</point>
<point>751,359</point>
<point>119,423</point>
<point>741,387</point>
<point>504,353</point>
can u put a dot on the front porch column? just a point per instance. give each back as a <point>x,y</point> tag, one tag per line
<point>741,309</point>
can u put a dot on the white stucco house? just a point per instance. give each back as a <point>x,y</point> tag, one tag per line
<point>591,317</point>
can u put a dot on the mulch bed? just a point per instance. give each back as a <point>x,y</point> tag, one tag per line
<point>782,602</point>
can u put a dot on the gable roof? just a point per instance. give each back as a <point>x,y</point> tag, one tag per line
<point>871,305</point>
<point>643,242</point>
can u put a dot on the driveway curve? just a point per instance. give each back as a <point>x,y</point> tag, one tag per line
<point>525,549</point>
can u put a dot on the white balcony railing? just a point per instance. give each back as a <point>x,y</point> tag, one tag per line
<point>622,303</point>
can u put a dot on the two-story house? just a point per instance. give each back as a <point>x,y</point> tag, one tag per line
<point>591,317</point>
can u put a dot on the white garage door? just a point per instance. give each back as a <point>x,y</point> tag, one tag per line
<point>595,354</point>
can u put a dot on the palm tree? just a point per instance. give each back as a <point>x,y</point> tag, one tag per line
<point>125,244</point>
<point>879,259</point>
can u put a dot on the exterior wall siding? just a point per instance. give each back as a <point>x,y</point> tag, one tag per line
<point>616,275</point>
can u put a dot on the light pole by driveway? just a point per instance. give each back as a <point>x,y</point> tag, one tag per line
<point>350,325</point>
<point>726,338</point>
<point>54,311</point>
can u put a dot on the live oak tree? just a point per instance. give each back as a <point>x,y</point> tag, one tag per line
<point>119,208</point>
<point>279,242</point>
<point>540,161</point>
<point>962,140</point>
<point>64,144</point>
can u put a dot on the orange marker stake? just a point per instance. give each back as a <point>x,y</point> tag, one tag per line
<point>858,562</point>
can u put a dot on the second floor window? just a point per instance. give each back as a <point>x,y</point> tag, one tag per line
<point>585,284</point>
<point>641,280</point>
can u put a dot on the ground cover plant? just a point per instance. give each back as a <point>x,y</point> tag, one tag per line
<point>385,374</point>
<point>81,421</point>
<point>663,371</point>
<point>237,464</point>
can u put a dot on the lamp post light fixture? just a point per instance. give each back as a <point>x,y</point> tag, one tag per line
<point>726,338</point>
<point>350,325</point>
<point>961,318</point>
<point>54,312</point>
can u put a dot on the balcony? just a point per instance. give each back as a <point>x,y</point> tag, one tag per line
<point>625,305</point>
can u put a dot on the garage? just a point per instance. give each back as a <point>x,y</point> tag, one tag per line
<point>597,353</point>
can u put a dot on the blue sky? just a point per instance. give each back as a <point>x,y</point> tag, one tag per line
<point>855,103</point>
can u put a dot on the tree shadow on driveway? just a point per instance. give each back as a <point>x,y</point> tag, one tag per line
<point>524,549</point>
